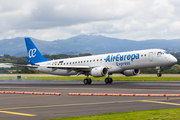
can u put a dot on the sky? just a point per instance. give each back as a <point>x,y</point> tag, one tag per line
<point>61,19</point>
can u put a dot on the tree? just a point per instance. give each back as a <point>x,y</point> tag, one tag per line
<point>6,56</point>
<point>175,68</point>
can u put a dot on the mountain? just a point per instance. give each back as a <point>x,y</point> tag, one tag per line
<point>94,44</point>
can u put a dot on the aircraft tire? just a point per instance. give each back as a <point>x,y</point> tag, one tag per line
<point>85,81</point>
<point>89,81</point>
<point>106,81</point>
<point>110,81</point>
<point>159,74</point>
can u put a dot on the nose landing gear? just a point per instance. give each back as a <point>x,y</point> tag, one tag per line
<point>159,74</point>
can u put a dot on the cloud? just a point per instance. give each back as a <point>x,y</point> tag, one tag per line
<point>59,19</point>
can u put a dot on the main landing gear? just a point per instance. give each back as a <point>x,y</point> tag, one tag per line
<point>108,80</point>
<point>159,74</point>
<point>87,81</point>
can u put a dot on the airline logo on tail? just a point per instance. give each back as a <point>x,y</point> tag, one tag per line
<point>32,53</point>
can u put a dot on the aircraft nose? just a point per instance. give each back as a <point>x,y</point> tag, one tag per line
<point>173,60</point>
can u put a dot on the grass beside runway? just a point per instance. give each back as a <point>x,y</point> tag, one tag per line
<point>94,79</point>
<point>160,114</point>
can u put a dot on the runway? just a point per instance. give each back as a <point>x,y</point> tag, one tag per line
<point>16,106</point>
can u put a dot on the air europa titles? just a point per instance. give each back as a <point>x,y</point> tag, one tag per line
<point>118,57</point>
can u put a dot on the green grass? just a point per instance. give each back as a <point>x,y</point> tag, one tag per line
<point>95,79</point>
<point>160,114</point>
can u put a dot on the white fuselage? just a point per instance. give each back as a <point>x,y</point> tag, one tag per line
<point>115,62</point>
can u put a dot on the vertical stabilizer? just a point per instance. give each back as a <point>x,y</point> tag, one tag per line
<point>34,56</point>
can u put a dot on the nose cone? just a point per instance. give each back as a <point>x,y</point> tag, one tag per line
<point>173,60</point>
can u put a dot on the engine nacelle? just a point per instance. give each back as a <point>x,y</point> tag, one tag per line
<point>131,72</point>
<point>99,71</point>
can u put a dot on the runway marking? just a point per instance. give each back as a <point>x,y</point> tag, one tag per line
<point>65,105</point>
<point>160,102</point>
<point>16,113</point>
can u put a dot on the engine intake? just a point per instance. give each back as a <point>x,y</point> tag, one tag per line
<point>131,72</point>
<point>99,71</point>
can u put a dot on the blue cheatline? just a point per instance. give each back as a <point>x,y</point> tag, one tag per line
<point>34,56</point>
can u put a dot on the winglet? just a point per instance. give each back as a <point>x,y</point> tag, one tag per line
<point>34,56</point>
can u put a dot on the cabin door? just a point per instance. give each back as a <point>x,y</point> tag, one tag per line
<point>150,56</point>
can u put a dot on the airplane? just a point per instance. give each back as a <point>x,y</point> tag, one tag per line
<point>126,63</point>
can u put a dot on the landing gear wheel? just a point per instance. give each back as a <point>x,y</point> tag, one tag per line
<point>106,80</point>
<point>159,74</point>
<point>110,80</point>
<point>85,81</point>
<point>89,81</point>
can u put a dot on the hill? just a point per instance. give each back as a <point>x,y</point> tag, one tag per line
<point>94,44</point>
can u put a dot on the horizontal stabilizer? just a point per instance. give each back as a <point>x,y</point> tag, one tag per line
<point>26,66</point>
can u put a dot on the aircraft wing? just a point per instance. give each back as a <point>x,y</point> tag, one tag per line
<point>66,67</point>
<point>53,66</point>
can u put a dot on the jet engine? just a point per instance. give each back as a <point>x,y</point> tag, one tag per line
<point>99,71</point>
<point>131,72</point>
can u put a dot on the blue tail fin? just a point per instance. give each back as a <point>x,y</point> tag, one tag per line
<point>33,53</point>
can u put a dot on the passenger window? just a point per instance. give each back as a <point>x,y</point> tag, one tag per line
<point>90,60</point>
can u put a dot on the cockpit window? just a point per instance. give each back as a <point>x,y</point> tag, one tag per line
<point>159,53</point>
<point>165,52</point>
